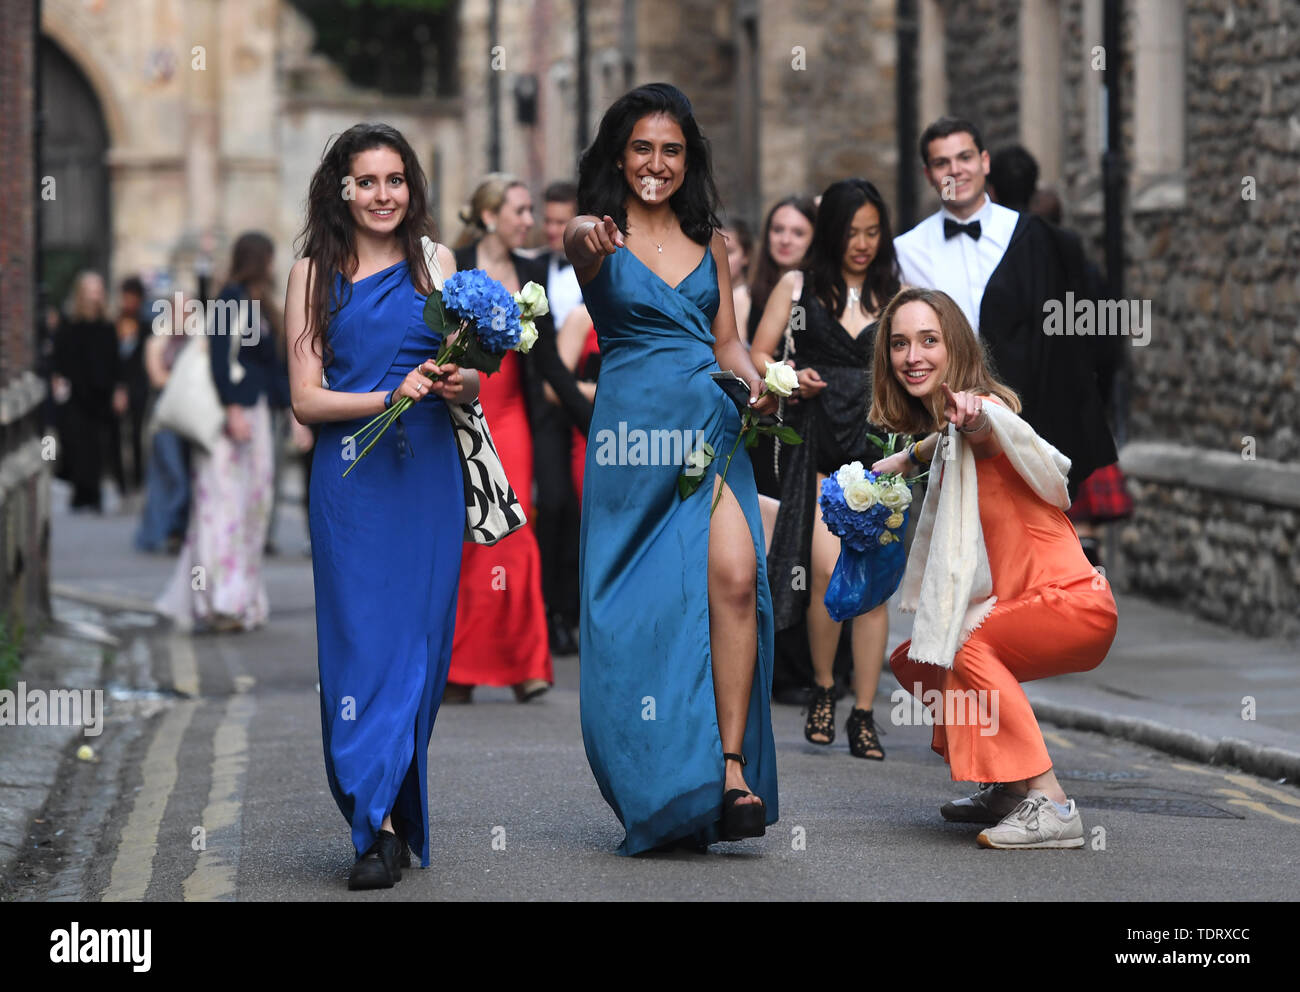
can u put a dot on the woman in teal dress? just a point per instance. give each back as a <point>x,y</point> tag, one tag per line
<point>386,541</point>
<point>676,627</point>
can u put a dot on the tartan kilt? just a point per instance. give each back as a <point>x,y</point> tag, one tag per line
<point>1103,496</point>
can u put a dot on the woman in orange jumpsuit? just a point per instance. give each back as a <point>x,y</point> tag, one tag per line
<point>1012,600</point>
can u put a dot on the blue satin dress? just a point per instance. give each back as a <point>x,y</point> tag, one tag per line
<point>386,546</point>
<point>649,720</point>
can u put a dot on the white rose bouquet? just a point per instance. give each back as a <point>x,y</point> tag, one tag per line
<point>868,513</point>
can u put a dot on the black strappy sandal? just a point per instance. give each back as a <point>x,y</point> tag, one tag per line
<point>821,715</point>
<point>741,821</point>
<point>861,729</point>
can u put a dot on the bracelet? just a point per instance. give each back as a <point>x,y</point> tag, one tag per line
<point>911,455</point>
<point>388,400</point>
<point>984,422</point>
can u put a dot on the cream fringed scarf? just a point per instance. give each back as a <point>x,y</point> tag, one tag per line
<point>947,583</point>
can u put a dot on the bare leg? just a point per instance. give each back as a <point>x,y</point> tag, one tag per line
<point>733,627</point>
<point>870,632</point>
<point>1046,782</point>
<point>823,632</point>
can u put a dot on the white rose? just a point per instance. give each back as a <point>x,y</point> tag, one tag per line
<point>527,335</point>
<point>896,496</point>
<point>860,495</point>
<point>532,300</point>
<point>781,379</point>
<point>849,473</point>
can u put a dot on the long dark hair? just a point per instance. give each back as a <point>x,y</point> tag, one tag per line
<point>602,189</point>
<point>250,263</point>
<point>329,238</point>
<point>764,272</point>
<point>824,265</point>
<point>250,268</point>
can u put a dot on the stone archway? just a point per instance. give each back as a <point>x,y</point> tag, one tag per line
<point>75,230</point>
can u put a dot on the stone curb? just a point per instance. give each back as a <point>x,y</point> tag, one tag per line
<point>1255,759</point>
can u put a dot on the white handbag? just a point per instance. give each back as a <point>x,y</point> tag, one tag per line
<point>492,509</point>
<point>188,404</point>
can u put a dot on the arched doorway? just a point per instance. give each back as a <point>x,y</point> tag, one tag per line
<point>74,225</point>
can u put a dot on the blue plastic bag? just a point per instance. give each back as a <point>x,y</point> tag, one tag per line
<point>862,580</point>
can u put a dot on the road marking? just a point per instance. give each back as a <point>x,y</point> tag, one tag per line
<point>1236,778</point>
<point>133,867</point>
<point>1255,805</point>
<point>185,667</point>
<point>1056,739</point>
<point>213,878</point>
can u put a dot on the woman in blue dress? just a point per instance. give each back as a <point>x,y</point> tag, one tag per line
<point>386,541</point>
<point>676,629</point>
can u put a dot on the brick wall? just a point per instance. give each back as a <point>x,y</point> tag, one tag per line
<point>24,475</point>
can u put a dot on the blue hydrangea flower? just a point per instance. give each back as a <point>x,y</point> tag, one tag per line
<point>859,530</point>
<point>490,308</point>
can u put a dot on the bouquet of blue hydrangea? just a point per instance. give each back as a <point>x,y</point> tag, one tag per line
<point>868,513</point>
<point>479,321</point>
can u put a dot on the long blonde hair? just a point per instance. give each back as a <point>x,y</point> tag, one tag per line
<point>78,307</point>
<point>489,195</point>
<point>897,410</point>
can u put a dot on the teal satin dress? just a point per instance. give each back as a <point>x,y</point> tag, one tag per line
<point>649,720</point>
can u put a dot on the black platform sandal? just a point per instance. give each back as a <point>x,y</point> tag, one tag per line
<point>741,821</point>
<point>821,715</point>
<point>861,729</point>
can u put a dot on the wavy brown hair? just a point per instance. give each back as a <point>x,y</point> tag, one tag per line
<point>969,368</point>
<point>763,270</point>
<point>329,236</point>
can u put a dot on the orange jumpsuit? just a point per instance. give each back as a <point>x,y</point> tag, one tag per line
<point>1055,614</point>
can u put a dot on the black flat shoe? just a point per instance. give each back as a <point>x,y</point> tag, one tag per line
<point>740,821</point>
<point>381,866</point>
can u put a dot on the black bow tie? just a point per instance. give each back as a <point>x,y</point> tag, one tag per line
<point>951,229</point>
<point>561,262</point>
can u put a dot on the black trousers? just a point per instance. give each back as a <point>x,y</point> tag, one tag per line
<point>557,512</point>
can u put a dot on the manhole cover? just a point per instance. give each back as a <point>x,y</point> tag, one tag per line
<point>1160,807</point>
<point>1097,776</point>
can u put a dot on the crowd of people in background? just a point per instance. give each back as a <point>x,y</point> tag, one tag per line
<point>808,287</point>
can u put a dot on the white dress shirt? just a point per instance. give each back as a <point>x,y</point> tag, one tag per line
<point>959,266</point>
<point>562,290</point>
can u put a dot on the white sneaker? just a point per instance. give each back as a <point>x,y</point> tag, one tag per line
<point>989,805</point>
<point>1035,824</point>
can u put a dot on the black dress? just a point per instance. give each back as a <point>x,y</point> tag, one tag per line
<point>86,354</point>
<point>834,428</point>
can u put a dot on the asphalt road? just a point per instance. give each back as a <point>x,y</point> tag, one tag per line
<point>220,793</point>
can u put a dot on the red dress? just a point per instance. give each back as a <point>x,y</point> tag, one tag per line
<point>500,616</point>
